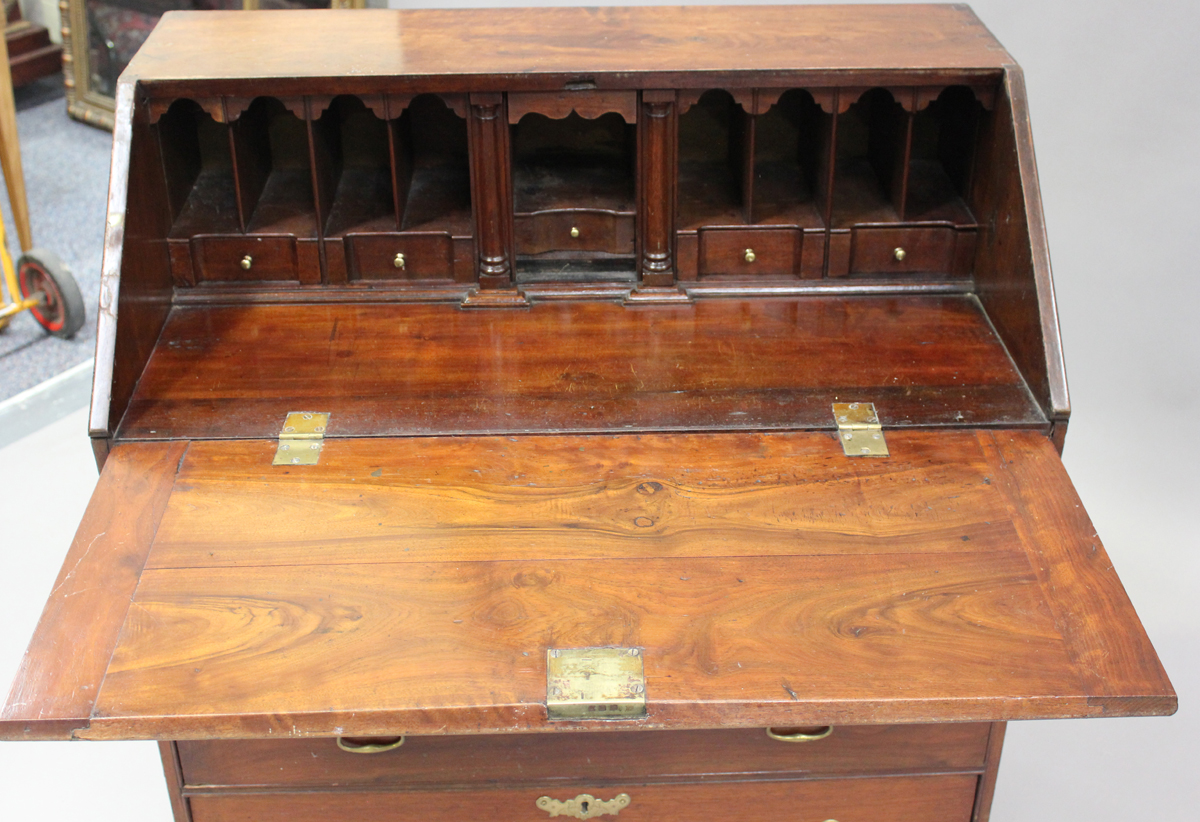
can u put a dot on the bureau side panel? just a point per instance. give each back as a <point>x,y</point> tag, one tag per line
<point>135,280</point>
<point>1012,262</point>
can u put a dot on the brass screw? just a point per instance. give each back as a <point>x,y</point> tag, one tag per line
<point>247,261</point>
<point>574,231</point>
<point>750,257</point>
<point>899,254</point>
<point>399,261</point>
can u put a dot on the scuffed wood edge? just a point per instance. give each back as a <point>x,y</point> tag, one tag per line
<point>99,423</point>
<point>60,675</point>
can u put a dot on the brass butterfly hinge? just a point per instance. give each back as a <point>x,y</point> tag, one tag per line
<point>301,439</point>
<point>584,806</point>
<point>859,430</point>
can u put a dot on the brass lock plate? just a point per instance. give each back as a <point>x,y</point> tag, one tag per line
<point>595,683</point>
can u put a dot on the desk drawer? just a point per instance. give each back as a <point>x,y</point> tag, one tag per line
<point>428,256</point>
<point>894,799</point>
<point>610,756</point>
<point>601,231</point>
<point>902,250</point>
<point>770,252</point>
<point>245,259</point>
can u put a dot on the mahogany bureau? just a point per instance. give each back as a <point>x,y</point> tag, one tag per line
<point>512,414</point>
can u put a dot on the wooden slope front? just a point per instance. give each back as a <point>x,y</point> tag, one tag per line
<point>413,586</point>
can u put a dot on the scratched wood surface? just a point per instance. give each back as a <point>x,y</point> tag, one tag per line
<point>413,586</point>
<point>398,370</point>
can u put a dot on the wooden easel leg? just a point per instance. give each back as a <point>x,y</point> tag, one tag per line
<point>10,152</point>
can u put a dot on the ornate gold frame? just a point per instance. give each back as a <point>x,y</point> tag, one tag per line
<point>83,102</point>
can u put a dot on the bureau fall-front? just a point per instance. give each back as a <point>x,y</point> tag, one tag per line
<point>518,414</point>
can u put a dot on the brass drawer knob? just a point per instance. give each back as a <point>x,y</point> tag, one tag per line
<point>584,806</point>
<point>799,734</point>
<point>899,254</point>
<point>247,261</point>
<point>750,255</point>
<point>574,231</point>
<point>364,745</point>
<point>399,261</point>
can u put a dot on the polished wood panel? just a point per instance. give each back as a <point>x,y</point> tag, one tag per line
<point>603,231</point>
<point>57,681</point>
<point>490,46</point>
<point>235,371</point>
<point>483,499</point>
<point>897,799</point>
<point>453,641</point>
<point>645,756</point>
<point>1074,558</point>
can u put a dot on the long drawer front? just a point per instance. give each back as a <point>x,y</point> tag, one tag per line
<point>608,757</point>
<point>894,799</point>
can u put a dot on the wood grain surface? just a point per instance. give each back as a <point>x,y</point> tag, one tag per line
<point>897,799</point>
<point>398,370</point>
<point>493,45</point>
<point>58,678</point>
<point>413,586</point>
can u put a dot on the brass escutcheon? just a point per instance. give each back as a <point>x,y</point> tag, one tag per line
<point>584,806</point>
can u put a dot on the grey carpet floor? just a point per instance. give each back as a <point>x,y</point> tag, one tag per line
<point>66,180</point>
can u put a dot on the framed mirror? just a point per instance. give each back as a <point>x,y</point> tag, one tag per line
<point>100,37</point>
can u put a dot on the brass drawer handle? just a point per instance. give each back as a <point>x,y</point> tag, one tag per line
<point>399,261</point>
<point>247,261</point>
<point>574,231</point>
<point>799,736</point>
<point>584,806</point>
<point>750,255</point>
<point>350,746</point>
<point>899,254</point>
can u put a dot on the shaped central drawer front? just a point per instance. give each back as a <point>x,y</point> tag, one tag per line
<point>574,230</point>
<point>751,252</point>
<point>400,256</point>
<point>250,258</point>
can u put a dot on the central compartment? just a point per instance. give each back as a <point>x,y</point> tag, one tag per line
<point>574,189</point>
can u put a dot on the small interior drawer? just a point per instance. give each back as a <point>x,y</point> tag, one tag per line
<point>574,230</point>
<point>414,256</point>
<point>466,760</point>
<point>768,252</point>
<point>895,799</point>
<point>902,250</point>
<point>249,258</point>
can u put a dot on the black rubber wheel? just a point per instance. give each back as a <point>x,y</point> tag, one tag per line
<point>61,312</point>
